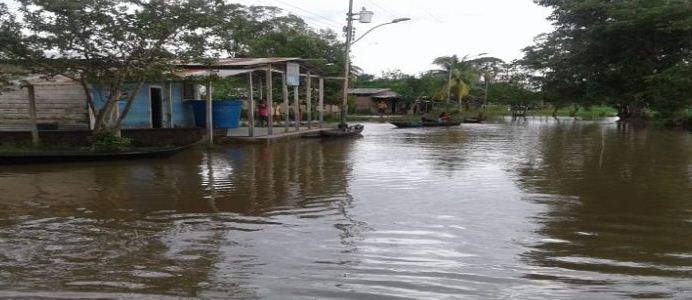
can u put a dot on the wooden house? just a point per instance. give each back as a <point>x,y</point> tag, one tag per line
<point>368,100</point>
<point>60,104</point>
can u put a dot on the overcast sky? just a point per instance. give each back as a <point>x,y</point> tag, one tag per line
<point>500,28</point>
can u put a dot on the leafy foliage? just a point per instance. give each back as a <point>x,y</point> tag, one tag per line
<point>117,45</point>
<point>409,87</point>
<point>108,43</point>
<point>109,142</point>
<point>625,53</point>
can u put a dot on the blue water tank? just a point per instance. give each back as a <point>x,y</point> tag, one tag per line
<point>226,113</point>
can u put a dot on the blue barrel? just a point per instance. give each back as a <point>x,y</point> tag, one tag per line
<point>199,111</point>
<point>226,113</point>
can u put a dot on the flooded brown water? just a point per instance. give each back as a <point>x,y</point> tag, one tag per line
<point>514,210</point>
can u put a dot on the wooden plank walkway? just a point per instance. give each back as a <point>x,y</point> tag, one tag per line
<point>241,134</point>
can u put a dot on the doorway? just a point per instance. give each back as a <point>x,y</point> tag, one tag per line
<point>156,100</point>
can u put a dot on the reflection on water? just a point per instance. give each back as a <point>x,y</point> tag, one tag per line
<point>519,209</point>
<point>619,205</point>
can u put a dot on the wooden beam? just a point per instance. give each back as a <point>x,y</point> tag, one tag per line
<point>270,123</point>
<point>35,140</point>
<point>251,107</point>
<point>321,100</point>
<point>308,96</point>
<point>296,108</point>
<point>284,87</point>
<point>170,105</point>
<point>260,88</point>
<point>210,124</point>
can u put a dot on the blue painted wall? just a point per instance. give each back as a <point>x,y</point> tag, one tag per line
<point>140,112</point>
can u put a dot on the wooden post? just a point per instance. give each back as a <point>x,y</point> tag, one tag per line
<point>260,88</point>
<point>32,113</point>
<point>170,104</point>
<point>296,108</point>
<point>287,120</point>
<point>270,123</point>
<point>251,107</point>
<point>308,96</point>
<point>321,100</point>
<point>210,127</point>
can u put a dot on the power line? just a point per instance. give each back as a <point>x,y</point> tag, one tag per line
<point>330,21</point>
<point>382,8</point>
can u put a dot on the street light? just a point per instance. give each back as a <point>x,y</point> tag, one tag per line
<point>364,16</point>
<point>371,29</point>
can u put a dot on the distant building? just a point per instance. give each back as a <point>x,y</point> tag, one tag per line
<point>367,100</point>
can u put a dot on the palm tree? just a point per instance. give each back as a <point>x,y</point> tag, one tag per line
<point>462,75</point>
<point>489,68</point>
<point>447,63</point>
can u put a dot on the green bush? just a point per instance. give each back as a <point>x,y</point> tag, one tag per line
<point>109,142</point>
<point>681,118</point>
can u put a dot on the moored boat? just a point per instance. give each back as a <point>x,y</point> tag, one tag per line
<point>411,124</point>
<point>472,120</point>
<point>79,156</point>
<point>354,130</point>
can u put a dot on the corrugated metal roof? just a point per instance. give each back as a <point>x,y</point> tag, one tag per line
<point>242,62</point>
<point>46,80</point>
<point>366,91</point>
<point>386,95</point>
<point>204,72</point>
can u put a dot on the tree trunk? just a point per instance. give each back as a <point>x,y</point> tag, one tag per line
<point>460,105</point>
<point>574,112</point>
<point>630,112</point>
<point>103,113</point>
<point>128,106</point>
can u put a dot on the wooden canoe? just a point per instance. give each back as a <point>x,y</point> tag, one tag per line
<point>350,131</point>
<point>404,124</point>
<point>79,156</point>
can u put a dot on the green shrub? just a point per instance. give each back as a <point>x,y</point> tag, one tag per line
<point>109,142</point>
<point>681,118</point>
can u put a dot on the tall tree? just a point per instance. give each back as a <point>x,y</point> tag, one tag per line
<point>489,68</point>
<point>610,51</point>
<point>9,30</point>
<point>271,32</point>
<point>116,44</point>
<point>462,75</point>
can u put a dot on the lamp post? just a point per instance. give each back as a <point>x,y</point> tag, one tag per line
<point>365,16</point>
<point>378,26</point>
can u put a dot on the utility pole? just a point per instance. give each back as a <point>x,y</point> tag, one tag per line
<point>347,64</point>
